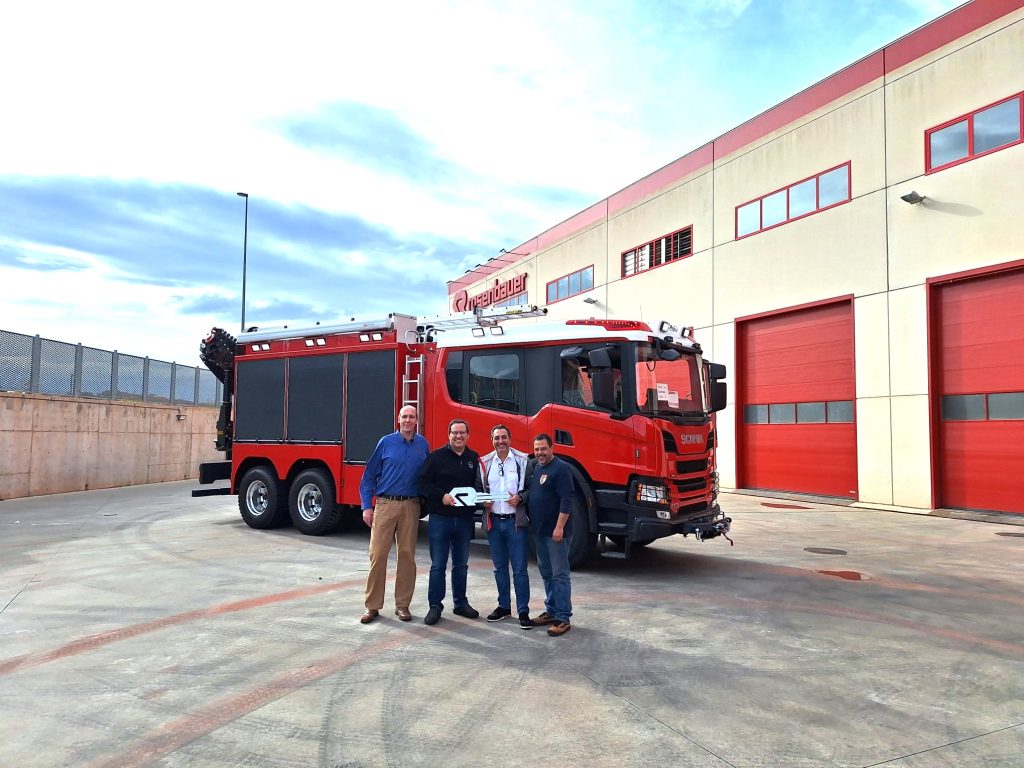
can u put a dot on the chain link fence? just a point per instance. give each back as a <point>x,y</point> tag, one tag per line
<point>34,364</point>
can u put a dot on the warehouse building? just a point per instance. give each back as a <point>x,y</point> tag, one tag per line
<point>854,255</point>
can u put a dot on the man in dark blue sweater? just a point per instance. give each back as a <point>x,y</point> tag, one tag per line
<point>549,496</point>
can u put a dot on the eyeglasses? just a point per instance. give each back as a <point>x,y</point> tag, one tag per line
<point>501,468</point>
<point>458,434</point>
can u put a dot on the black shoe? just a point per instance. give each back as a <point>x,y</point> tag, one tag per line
<point>499,613</point>
<point>466,611</point>
<point>525,622</point>
<point>433,615</point>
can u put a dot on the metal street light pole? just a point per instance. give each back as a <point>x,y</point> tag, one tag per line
<point>245,249</point>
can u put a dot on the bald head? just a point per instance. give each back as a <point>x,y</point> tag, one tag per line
<point>407,421</point>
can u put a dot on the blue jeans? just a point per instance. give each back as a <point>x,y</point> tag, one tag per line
<point>553,561</point>
<point>448,534</point>
<point>508,545</point>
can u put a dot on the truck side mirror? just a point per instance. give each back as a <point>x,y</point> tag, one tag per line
<point>599,358</point>
<point>602,385</point>
<point>716,371</point>
<point>718,395</point>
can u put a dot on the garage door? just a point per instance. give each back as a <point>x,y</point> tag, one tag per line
<point>979,326</point>
<point>796,393</point>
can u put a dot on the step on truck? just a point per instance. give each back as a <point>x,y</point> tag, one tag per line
<point>630,406</point>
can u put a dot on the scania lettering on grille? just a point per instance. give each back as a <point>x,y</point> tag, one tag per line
<point>691,439</point>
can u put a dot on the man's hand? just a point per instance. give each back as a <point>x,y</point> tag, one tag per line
<point>368,517</point>
<point>448,500</point>
<point>514,500</point>
<point>558,534</point>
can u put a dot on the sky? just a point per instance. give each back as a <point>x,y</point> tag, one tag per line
<point>386,148</point>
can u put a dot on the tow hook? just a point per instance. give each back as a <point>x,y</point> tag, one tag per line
<point>721,528</point>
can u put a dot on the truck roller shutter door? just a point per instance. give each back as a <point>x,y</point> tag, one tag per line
<point>369,402</point>
<point>796,401</point>
<point>978,324</point>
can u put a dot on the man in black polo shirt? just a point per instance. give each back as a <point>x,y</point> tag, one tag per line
<point>450,528</point>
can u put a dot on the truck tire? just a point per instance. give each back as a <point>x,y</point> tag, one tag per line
<point>582,543</point>
<point>261,499</point>
<point>312,504</point>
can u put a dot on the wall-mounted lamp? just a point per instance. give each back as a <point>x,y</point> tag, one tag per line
<point>591,300</point>
<point>180,417</point>
<point>913,198</point>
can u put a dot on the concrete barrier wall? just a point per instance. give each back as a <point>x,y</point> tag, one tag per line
<point>60,444</point>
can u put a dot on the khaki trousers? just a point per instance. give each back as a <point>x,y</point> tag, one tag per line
<point>393,522</point>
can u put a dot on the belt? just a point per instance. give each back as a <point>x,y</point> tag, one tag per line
<point>507,516</point>
<point>392,497</point>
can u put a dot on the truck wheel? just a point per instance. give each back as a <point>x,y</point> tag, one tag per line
<point>261,499</point>
<point>582,543</point>
<point>312,505</point>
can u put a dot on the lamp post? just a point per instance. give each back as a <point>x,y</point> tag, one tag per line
<point>245,249</point>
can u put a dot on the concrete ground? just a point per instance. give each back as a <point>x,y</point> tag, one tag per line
<point>140,626</point>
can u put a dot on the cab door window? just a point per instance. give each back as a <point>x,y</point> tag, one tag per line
<point>495,381</point>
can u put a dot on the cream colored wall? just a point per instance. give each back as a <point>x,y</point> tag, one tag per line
<point>722,349</point>
<point>851,132</point>
<point>576,252</point>
<point>833,253</point>
<point>681,291</point>
<point>960,80</point>
<point>971,218</point>
<point>876,247</point>
<point>54,445</point>
<point>874,420</point>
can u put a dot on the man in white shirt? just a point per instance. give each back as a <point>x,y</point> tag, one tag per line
<point>504,471</point>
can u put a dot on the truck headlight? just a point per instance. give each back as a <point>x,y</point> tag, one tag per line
<point>652,494</point>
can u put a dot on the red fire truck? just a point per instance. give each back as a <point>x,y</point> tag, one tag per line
<point>630,407</point>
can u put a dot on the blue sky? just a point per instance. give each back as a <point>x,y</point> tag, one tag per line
<point>385,149</point>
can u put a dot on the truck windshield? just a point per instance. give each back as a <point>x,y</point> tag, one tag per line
<point>667,387</point>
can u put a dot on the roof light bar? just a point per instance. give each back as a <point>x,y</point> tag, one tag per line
<point>614,325</point>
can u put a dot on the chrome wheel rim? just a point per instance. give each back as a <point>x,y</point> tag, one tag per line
<point>310,502</point>
<point>256,498</point>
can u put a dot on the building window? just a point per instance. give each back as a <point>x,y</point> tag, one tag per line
<point>831,412</point>
<point>985,130</point>
<point>580,281</point>
<point>824,190</point>
<point>992,406</point>
<point>676,245</point>
<point>519,300</point>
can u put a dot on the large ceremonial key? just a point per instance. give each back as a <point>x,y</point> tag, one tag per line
<point>470,497</point>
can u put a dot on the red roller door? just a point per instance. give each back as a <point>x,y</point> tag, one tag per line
<point>979,326</point>
<point>796,401</point>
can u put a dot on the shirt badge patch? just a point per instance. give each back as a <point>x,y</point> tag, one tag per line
<point>542,479</point>
<point>470,464</point>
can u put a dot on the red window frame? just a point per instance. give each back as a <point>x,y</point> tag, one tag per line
<point>969,117</point>
<point>547,287</point>
<point>818,208</point>
<point>650,244</point>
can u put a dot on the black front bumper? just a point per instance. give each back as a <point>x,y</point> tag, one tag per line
<point>705,525</point>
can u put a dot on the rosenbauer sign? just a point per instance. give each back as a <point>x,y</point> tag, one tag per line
<point>463,302</point>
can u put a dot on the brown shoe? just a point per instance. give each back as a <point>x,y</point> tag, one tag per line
<point>369,616</point>
<point>543,620</point>
<point>403,614</point>
<point>559,628</point>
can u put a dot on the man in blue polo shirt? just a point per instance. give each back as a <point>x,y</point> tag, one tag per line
<point>391,475</point>
<point>549,496</point>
